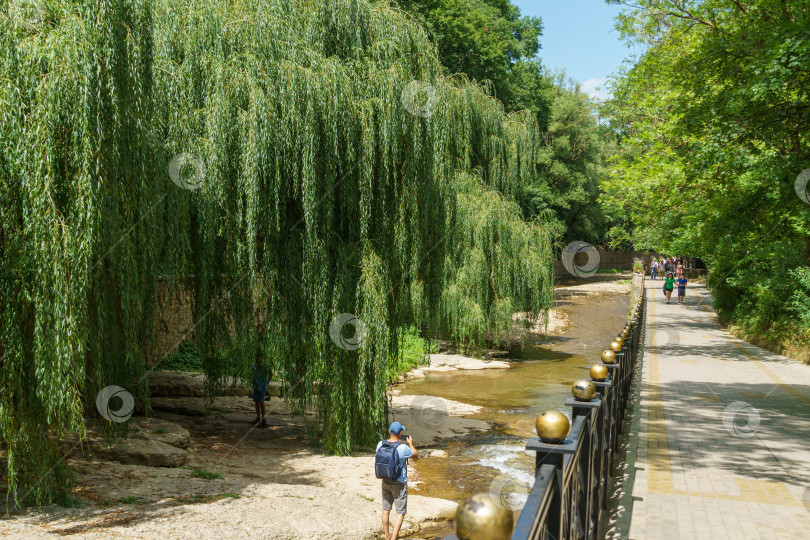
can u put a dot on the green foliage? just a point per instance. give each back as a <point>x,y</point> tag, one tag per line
<point>488,40</point>
<point>129,499</point>
<point>321,194</point>
<point>565,192</point>
<point>715,127</point>
<point>208,475</point>
<point>800,299</point>
<point>186,358</point>
<point>414,352</point>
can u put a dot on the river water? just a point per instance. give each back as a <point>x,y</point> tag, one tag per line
<point>539,379</point>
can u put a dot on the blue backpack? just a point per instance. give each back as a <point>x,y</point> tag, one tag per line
<point>387,465</point>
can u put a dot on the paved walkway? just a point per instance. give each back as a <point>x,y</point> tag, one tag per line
<point>724,431</point>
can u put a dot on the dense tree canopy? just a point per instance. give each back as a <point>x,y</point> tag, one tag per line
<point>489,40</point>
<point>286,161</point>
<point>715,129</point>
<point>572,162</point>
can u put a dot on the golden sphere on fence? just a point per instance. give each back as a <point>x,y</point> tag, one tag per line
<point>599,372</point>
<point>552,426</point>
<point>481,517</point>
<point>583,390</point>
<point>619,340</point>
<point>615,346</point>
<point>625,334</point>
<point>608,357</point>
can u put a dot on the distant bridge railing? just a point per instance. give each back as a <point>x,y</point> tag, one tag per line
<point>572,473</point>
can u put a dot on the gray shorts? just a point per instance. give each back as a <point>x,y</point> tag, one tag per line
<point>396,494</point>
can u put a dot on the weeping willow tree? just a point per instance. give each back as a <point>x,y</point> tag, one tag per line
<point>322,184</point>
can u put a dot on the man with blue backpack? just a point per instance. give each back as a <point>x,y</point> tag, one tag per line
<point>391,466</point>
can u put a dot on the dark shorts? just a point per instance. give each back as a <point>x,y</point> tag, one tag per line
<point>396,494</point>
<point>258,394</point>
<point>681,291</point>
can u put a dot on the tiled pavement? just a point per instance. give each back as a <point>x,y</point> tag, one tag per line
<point>724,431</point>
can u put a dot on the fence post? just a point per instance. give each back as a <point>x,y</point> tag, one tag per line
<point>588,504</point>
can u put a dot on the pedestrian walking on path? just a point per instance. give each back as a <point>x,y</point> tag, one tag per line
<point>669,284</point>
<point>654,268</point>
<point>681,289</point>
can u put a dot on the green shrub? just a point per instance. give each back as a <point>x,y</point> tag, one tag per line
<point>414,352</point>
<point>767,294</point>
<point>186,358</point>
<point>208,475</point>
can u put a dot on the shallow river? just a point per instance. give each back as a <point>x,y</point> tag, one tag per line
<point>540,379</point>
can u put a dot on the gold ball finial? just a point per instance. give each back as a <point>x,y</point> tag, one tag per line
<point>583,390</point>
<point>608,357</point>
<point>615,346</point>
<point>480,517</point>
<point>599,372</point>
<point>552,426</point>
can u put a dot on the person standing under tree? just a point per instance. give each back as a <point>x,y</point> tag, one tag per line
<point>395,491</point>
<point>654,268</point>
<point>261,376</point>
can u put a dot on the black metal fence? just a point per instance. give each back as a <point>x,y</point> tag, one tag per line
<point>571,478</point>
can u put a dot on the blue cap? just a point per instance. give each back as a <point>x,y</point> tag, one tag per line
<point>396,428</point>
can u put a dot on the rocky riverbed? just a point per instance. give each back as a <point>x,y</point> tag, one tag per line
<point>185,474</point>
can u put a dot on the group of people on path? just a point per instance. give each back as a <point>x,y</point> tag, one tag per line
<point>666,265</point>
<point>671,269</point>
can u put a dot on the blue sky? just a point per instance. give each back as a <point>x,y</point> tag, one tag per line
<point>578,35</point>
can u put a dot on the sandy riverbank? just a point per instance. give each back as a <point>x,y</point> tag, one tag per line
<point>272,484</point>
